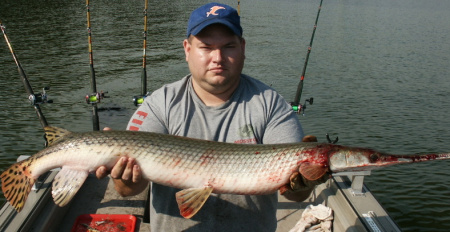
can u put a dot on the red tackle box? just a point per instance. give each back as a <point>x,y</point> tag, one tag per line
<point>105,223</point>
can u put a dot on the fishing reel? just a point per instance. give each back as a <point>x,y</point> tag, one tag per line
<point>301,108</point>
<point>95,98</point>
<point>39,98</point>
<point>139,99</point>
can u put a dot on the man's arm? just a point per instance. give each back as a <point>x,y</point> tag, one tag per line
<point>126,174</point>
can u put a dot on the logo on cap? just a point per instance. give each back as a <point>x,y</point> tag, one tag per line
<point>213,10</point>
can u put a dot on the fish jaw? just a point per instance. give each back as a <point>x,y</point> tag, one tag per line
<point>358,159</point>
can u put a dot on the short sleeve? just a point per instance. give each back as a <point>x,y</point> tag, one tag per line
<point>150,115</point>
<point>283,124</point>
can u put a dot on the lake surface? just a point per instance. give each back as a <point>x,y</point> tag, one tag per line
<point>379,74</point>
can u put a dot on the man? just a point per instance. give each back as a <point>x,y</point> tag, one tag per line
<point>214,102</point>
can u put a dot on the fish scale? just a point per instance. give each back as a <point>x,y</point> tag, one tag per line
<point>198,167</point>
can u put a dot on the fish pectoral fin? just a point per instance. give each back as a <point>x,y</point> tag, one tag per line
<point>67,183</point>
<point>312,171</point>
<point>191,200</point>
<point>54,134</point>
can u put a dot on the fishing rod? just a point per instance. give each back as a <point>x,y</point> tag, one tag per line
<point>35,99</point>
<point>296,106</point>
<point>239,7</point>
<point>139,99</point>
<point>95,97</point>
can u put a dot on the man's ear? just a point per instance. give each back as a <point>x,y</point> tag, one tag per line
<point>243,46</point>
<point>187,48</point>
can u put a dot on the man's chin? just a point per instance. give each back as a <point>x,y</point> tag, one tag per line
<point>218,80</point>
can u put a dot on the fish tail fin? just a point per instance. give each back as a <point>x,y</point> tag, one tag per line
<point>17,183</point>
<point>54,134</point>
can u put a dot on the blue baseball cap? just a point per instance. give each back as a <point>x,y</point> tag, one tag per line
<point>214,13</point>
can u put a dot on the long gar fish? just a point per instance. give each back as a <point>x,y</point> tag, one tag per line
<point>198,167</point>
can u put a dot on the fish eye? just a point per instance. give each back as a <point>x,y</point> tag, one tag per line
<point>374,157</point>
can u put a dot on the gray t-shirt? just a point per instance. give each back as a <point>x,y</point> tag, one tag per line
<point>255,113</point>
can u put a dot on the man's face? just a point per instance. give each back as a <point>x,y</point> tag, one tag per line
<point>216,58</point>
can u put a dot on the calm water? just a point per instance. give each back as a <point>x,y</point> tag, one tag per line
<point>379,74</point>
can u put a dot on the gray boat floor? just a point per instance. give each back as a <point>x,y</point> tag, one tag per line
<point>351,212</point>
<point>103,199</point>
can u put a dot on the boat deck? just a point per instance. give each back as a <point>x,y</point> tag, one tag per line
<point>352,212</point>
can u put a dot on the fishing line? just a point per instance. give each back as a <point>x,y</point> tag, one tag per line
<point>296,106</point>
<point>139,99</point>
<point>35,99</point>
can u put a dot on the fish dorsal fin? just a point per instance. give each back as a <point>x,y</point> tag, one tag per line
<point>191,200</point>
<point>54,134</point>
<point>66,184</point>
<point>312,171</point>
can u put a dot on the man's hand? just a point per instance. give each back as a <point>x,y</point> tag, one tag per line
<point>125,169</point>
<point>299,188</point>
<point>126,174</point>
<point>298,183</point>
<point>127,177</point>
<point>309,138</point>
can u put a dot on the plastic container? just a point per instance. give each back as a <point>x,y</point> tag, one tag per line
<point>104,223</point>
